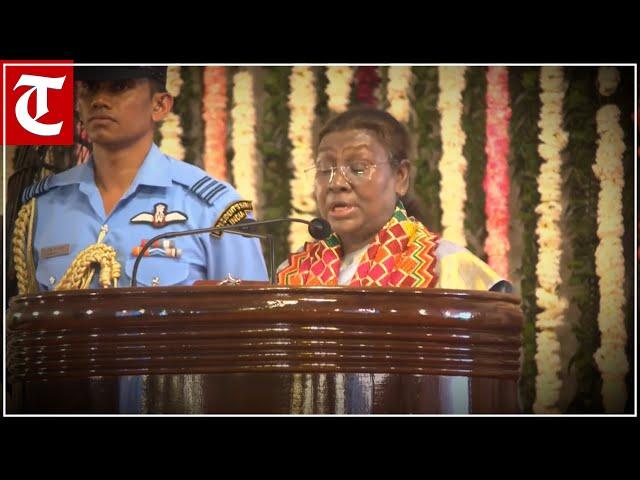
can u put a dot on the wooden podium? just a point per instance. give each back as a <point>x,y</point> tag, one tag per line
<point>263,349</point>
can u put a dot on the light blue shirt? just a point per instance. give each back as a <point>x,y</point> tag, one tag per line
<point>177,195</point>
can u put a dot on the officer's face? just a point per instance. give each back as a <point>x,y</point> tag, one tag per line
<point>117,113</point>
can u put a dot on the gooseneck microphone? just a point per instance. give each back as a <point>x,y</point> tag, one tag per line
<point>318,229</point>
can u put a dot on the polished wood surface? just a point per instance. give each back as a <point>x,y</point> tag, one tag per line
<point>264,349</point>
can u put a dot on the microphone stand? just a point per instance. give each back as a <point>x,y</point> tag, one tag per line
<point>238,229</point>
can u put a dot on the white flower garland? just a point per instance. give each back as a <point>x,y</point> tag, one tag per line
<point>608,80</point>
<point>171,131</point>
<point>608,168</point>
<point>302,102</point>
<point>247,174</point>
<point>453,165</point>
<point>399,92</point>
<point>339,88</point>
<point>553,140</point>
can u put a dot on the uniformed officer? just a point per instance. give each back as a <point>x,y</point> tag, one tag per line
<point>103,211</point>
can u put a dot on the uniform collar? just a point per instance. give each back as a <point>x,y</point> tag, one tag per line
<point>154,171</point>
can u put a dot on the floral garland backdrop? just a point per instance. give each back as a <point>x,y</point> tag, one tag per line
<point>445,118</point>
<point>453,165</point>
<point>610,357</point>
<point>496,182</point>
<point>367,80</point>
<point>553,141</point>
<point>247,173</point>
<point>302,102</point>
<point>214,102</point>
<point>339,88</point>
<point>399,92</point>
<point>171,131</point>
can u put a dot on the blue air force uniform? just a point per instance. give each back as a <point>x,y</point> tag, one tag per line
<point>166,195</point>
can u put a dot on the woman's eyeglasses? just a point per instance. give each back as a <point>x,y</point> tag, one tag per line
<point>355,173</point>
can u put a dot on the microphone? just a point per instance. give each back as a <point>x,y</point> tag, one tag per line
<point>318,229</point>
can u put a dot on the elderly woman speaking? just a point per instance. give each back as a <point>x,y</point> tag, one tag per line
<point>361,176</point>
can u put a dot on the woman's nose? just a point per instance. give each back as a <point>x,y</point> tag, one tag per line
<point>339,178</point>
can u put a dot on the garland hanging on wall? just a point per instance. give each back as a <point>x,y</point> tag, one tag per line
<point>302,102</point>
<point>399,92</point>
<point>553,141</point>
<point>339,88</point>
<point>367,81</point>
<point>452,165</point>
<point>247,174</point>
<point>609,170</point>
<point>171,131</point>
<point>215,116</point>
<point>496,182</point>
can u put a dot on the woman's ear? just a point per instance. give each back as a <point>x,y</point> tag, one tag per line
<point>162,104</point>
<point>403,174</point>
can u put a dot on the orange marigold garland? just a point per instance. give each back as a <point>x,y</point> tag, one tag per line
<point>215,115</point>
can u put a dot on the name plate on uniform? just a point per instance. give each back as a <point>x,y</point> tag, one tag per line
<point>57,251</point>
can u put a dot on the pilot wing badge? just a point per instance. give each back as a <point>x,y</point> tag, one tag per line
<point>160,217</point>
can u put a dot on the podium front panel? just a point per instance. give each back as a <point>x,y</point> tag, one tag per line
<point>264,349</point>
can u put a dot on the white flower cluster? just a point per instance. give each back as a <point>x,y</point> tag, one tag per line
<point>339,87</point>
<point>171,131</point>
<point>399,91</point>
<point>553,140</point>
<point>608,168</point>
<point>247,174</point>
<point>174,81</point>
<point>302,102</point>
<point>608,80</point>
<point>453,165</point>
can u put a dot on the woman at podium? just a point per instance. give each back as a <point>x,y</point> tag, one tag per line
<point>362,183</point>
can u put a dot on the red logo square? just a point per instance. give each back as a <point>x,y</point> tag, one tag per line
<point>39,103</point>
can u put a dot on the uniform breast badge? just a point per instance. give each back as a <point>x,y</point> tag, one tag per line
<point>160,217</point>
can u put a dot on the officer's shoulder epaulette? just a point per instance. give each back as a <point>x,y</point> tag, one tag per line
<point>199,183</point>
<point>36,189</point>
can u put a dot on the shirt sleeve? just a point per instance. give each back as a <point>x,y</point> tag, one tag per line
<point>459,269</point>
<point>233,254</point>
